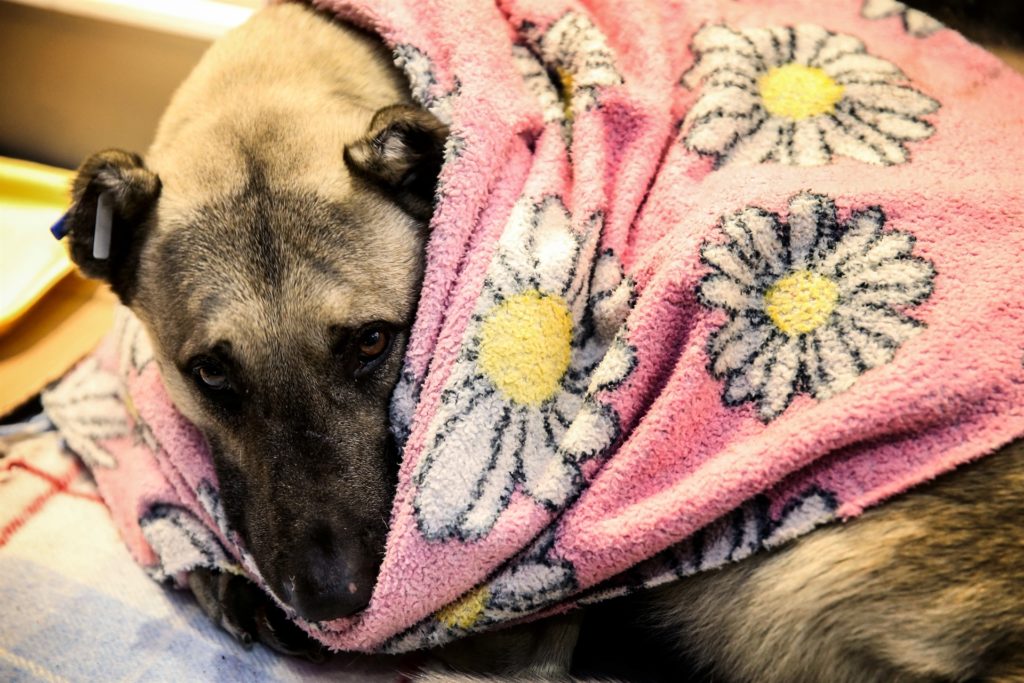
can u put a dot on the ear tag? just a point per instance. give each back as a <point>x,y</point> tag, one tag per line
<point>60,229</point>
<point>104,222</point>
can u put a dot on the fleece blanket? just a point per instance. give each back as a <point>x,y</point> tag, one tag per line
<point>76,608</point>
<point>703,275</point>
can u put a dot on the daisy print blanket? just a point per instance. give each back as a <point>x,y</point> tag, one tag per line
<point>702,276</point>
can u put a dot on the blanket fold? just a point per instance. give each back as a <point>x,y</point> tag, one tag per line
<point>702,276</point>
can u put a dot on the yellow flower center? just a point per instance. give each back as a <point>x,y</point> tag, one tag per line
<point>465,612</point>
<point>796,92</point>
<point>801,302</point>
<point>565,76</point>
<point>525,345</point>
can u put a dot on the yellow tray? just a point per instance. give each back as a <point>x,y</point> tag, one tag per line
<point>32,198</point>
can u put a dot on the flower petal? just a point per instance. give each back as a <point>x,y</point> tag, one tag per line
<point>896,126</point>
<point>879,9</point>
<point>774,45</point>
<point>809,147</point>
<point>810,40</point>
<point>847,143</point>
<point>778,388</point>
<point>764,232</point>
<point>591,433</point>
<point>617,364</point>
<point>722,64</point>
<point>881,321</point>
<point>725,259</point>
<point>812,226</point>
<point>860,232</point>
<point>837,369</point>
<point>860,67</point>
<point>726,100</point>
<point>747,383</point>
<point>547,476</point>
<point>920,24</point>
<point>494,490</point>
<point>459,466</point>
<point>887,247</point>
<point>900,282</point>
<point>891,151</point>
<point>898,99</point>
<point>737,325</point>
<point>610,313</point>
<point>759,146</point>
<point>719,291</point>
<point>739,350</point>
<point>717,132</point>
<point>718,37</point>
<point>837,45</point>
<point>872,351</point>
<point>554,247</point>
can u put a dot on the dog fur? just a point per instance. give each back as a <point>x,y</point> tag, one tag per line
<point>279,212</point>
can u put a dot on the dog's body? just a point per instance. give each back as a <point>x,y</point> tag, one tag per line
<point>272,244</point>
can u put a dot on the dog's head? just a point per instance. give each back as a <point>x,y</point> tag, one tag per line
<point>279,312</point>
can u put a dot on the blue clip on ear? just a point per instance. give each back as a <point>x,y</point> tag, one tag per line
<point>60,229</point>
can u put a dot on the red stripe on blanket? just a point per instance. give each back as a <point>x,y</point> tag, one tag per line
<point>54,481</point>
<point>56,486</point>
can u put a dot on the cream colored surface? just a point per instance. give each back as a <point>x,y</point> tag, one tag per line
<point>196,18</point>
<point>32,198</point>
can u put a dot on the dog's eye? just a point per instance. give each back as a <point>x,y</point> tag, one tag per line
<point>212,376</point>
<point>371,348</point>
<point>373,342</point>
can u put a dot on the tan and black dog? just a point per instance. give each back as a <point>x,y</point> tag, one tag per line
<point>272,244</point>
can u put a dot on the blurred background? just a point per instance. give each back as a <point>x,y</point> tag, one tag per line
<point>76,76</point>
<point>81,75</point>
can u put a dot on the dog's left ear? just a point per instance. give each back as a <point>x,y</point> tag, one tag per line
<point>112,197</point>
<point>402,152</point>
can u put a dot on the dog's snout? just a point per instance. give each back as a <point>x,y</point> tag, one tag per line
<point>332,578</point>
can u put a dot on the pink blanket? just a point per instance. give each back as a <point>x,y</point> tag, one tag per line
<point>703,275</point>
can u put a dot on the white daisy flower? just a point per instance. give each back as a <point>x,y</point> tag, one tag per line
<point>812,304</point>
<point>578,54</point>
<point>799,95</point>
<point>509,413</point>
<point>915,22</point>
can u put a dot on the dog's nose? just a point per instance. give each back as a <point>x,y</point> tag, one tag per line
<point>331,579</point>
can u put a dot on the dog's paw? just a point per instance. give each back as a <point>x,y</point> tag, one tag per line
<point>242,609</point>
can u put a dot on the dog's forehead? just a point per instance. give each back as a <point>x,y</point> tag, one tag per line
<point>263,269</point>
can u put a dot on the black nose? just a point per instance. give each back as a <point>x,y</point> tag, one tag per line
<point>331,579</point>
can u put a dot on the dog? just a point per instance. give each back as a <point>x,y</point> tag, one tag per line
<point>272,244</point>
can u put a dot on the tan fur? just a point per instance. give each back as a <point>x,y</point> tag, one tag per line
<point>928,587</point>
<point>287,82</point>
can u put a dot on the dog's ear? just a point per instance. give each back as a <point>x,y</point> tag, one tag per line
<point>117,187</point>
<point>402,152</point>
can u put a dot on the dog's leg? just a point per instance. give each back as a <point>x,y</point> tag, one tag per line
<point>248,614</point>
<point>928,587</point>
